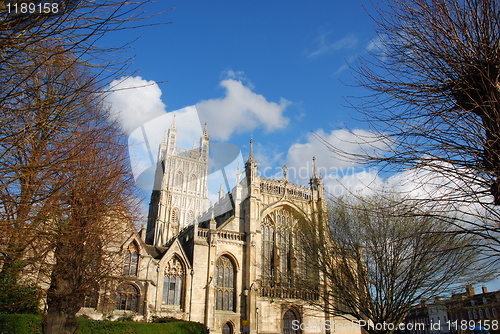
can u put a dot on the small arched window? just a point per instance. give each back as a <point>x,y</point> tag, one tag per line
<point>173,282</point>
<point>225,293</point>
<point>127,297</point>
<point>131,260</point>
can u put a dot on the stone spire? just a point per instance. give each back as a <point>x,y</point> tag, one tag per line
<point>316,182</point>
<point>251,165</point>
<point>221,192</point>
<point>315,173</point>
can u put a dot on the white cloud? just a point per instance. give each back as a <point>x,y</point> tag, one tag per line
<point>325,46</point>
<point>241,110</point>
<point>134,101</point>
<point>328,162</point>
<point>144,141</point>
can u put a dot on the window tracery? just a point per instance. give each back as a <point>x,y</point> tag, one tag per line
<point>179,179</point>
<point>285,273</point>
<point>131,260</point>
<point>127,297</point>
<point>192,182</point>
<point>277,246</point>
<point>225,292</point>
<point>173,282</point>
<point>175,215</point>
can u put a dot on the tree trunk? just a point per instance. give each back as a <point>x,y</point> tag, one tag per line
<point>64,296</point>
<point>59,322</point>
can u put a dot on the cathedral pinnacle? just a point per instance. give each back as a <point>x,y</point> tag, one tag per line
<point>205,131</point>
<point>173,123</point>
<point>250,156</point>
<point>315,173</point>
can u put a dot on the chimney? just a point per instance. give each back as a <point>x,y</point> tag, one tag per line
<point>470,290</point>
<point>485,289</point>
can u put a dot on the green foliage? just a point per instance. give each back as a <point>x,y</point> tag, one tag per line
<point>163,320</point>
<point>16,297</point>
<point>20,323</point>
<point>32,324</point>
<point>170,326</point>
<point>128,317</point>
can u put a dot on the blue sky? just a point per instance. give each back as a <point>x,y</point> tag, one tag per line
<point>276,71</point>
<point>289,60</point>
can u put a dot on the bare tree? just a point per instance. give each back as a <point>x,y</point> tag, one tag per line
<point>53,76</point>
<point>66,183</point>
<point>97,198</point>
<point>375,261</point>
<point>434,74</point>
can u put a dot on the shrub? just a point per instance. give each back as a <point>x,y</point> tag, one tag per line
<point>20,323</point>
<point>32,324</point>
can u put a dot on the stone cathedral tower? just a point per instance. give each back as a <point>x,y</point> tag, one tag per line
<point>180,188</point>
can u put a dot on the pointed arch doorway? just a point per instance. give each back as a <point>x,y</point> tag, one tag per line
<point>227,328</point>
<point>288,320</point>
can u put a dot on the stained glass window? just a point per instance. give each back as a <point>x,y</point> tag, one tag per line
<point>277,250</point>
<point>173,282</point>
<point>127,297</point>
<point>224,284</point>
<point>131,260</point>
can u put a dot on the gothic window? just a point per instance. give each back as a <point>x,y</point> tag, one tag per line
<point>267,252</point>
<point>179,179</point>
<point>173,282</point>
<point>284,265</point>
<point>277,248</point>
<point>192,182</point>
<point>127,298</point>
<point>288,318</point>
<point>225,275</point>
<point>175,215</point>
<point>131,260</point>
<point>190,217</point>
<point>227,328</point>
<point>92,297</point>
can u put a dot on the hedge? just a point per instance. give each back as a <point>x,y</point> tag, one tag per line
<point>31,324</point>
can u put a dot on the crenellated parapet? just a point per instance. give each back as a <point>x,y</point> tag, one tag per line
<point>285,190</point>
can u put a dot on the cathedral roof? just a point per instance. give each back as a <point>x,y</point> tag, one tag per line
<point>155,251</point>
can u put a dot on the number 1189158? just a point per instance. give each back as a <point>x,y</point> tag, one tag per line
<point>467,325</point>
<point>32,8</point>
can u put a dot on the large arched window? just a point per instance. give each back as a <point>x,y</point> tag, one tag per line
<point>285,272</point>
<point>131,261</point>
<point>173,282</point>
<point>127,297</point>
<point>225,293</point>
<point>277,248</point>
<point>288,318</point>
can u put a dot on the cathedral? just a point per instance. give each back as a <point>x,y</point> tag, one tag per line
<point>231,266</point>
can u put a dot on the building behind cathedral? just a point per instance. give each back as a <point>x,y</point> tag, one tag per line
<point>233,266</point>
